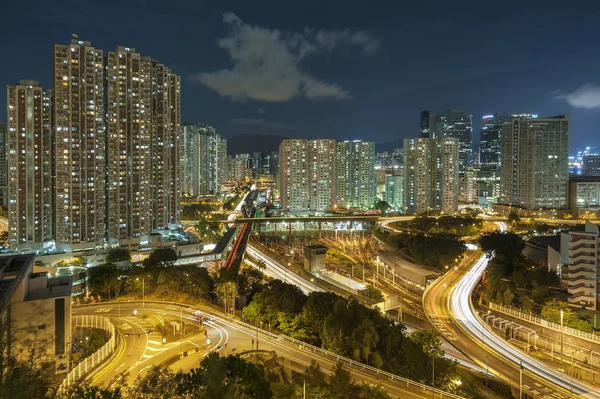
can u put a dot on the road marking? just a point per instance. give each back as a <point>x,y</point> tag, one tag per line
<point>119,356</point>
<point>193,343</point>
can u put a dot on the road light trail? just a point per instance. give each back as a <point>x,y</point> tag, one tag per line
<point>274,269</point>
<point>462,309</point>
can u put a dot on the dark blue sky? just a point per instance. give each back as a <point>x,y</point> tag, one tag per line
<point>341,69</point>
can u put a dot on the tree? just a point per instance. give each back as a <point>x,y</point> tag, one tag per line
<point>519,277</point>
<point>4,238</point>
<point>513,217</point>
<point>552,311</point>
<point>507,297</point>
<point>526,304</point>
<point>118,255</point>
<point>383,207</point>
<point>373,293</point>
<point>340,382</point>
<point>162,257</point>
<point>364,341</point>
<point>540,294</point>
<point>225,377</point>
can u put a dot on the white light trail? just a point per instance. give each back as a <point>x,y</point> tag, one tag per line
<point>275,270</point>
<point>462,309</point>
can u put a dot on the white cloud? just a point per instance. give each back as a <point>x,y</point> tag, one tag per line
<point>586,96</point>
<point>267,62</point>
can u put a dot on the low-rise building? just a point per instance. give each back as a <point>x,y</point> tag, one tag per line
<point>578,265</point>
<point>35,316</point>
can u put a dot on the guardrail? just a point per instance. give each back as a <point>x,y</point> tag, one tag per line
<point>328,355</point>
<point>546,323</point>
<point>86,365</point>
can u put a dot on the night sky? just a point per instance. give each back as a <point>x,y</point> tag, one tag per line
<point>341,69</point>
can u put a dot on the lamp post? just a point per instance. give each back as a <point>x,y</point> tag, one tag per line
<point>562,313</point>
<point>143,293</point>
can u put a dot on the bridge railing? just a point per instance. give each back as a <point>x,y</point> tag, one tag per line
<point>545,323</point>
<point>332,356</point>
<point>86,365</point>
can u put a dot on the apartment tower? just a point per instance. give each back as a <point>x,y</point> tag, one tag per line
<point>29,150</point>
<point>534,173</point>
<point>355,184</point>
<point>79,145</point>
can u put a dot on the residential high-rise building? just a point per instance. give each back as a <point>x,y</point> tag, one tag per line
<point>321,170</point>
<point>294,189</point>
<point>186,141</point>
<point>3,158</point>
<point>204,160</point>
<point>29,115</point>
<point>142,146</point>
<point>534,172</point>
<point>446,157</point>
<point>355,184</point>
<point>129,124</point>
<point>491,137</point>
<point>166,125</point>
<point>394,189</point>
<point>417,175</point>
<point>3,167</point>
<point>431,167</point>
<point>210,161</point>
<point>317,175</point>
<point>79,145</point>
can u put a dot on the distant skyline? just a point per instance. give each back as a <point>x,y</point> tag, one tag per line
<point>334,70</point>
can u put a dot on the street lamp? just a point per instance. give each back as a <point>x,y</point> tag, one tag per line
<point>562,313</point>
<point>143,293</point>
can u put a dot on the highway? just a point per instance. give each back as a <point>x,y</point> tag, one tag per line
<point>3,224</point>
<point>448,304</point>
<point>227,336</point>
<point>275,270</point>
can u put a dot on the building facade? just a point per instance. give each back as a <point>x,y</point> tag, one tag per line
<point>322,179</point>
<point>3,167</point>
<point>446,182</point>
<point>142,147</point>
<point>431,174</point>
<point>453,123</point>
<point>591,165</point>
<point>35,316</point>
<point>394,189</point>
<point>294,188</point>
<point>534,171</point>
<point>129,123</point>
<point>186,141</point>
<point>79,145</point>
<point>29,149</point>
<point>417,175</point>
<point>210,161</point>
<point>579,253</point>
<point>355,185</point>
